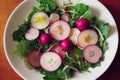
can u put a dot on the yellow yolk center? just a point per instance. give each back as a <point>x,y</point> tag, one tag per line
<point>87,38</point>
<point>59,30</point>
<point>40,19</point>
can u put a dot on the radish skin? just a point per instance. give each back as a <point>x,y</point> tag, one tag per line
<point>54,17</point>
<point>87,37</point>
<point>65,17</point>
<point>57,49</point>
<point>59,30</point>
<point>33,59</point>
<point>92,54</point>
<point>32,34</point>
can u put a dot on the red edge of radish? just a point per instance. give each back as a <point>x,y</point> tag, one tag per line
<point>81,36</point>
<point>57,49</point>
<point>32,34</point>
<point>50,61</point>
<point>92,54</point>
<point>33,59</point>
<point>59,30</point>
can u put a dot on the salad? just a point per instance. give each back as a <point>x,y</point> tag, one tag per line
<point>59,41</point>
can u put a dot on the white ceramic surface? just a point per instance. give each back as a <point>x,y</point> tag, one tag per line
<point>19,15</point>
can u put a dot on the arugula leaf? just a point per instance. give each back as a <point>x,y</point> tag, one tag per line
<point>83,11</point>
<point>47,6</point>
<point>24,47</point>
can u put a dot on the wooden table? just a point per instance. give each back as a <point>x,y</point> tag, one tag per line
<point>7,73</point>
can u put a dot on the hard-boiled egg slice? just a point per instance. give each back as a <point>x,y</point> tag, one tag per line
<point>40,20</point>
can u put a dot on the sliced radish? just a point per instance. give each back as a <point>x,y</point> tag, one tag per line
<point>74,32</point>
<point>33,59</point>
<point>50,61</point>
<point>40,20</point>
<point>54,17</point>
<point>32,34</point>
<point>58,50</point>
<point>92,54</point>
<point>65,17</point>
<point>60,30</point>
<point>87,37</point>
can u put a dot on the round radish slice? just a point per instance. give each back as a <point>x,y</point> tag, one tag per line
<point>54,17</point>
<point>40,20</point>
<point>60,30</point>
<point>87,37</point>
<point>32,34</point>
<point>74,32</point>
<point>65,17</point>
<point>33,59</point>
<point>92,54</point>
<point>50,61</point>
<point>58,50</point>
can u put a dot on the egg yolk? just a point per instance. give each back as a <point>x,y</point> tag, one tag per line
<point>59,30</point>
<point>40,19</point>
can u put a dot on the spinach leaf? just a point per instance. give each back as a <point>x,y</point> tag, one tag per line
<point>47,6</point>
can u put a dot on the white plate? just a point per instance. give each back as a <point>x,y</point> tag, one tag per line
<point>19,15</point>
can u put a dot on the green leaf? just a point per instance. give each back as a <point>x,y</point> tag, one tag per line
<point>103,27</point>
<point>24,47</point>
<point>83,11</point>
<point>34,10</point>
<point>47,6</point>
<point>18,35</point>
<point>104,46</point>
<point>72,23</point>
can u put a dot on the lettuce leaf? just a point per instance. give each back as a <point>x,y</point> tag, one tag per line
<point>47,6</point>
<point>103,27</point>
<point>103,31</point>
<point>83,11</point>
<point>24,47</point>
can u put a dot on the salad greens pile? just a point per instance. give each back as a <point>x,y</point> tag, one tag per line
<point>73,62</point>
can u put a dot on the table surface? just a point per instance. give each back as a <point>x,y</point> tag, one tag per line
<point>7,73</point>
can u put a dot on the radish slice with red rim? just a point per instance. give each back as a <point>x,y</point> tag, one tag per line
<point>32,34</point>
<point>87,37</point>
<point>65,17</point>
<point>59,30</point>
<point>50,61</point>
<point>54,17</point>
<point>92,54</point>
<point>59,51</point>
<point>33,59</point>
